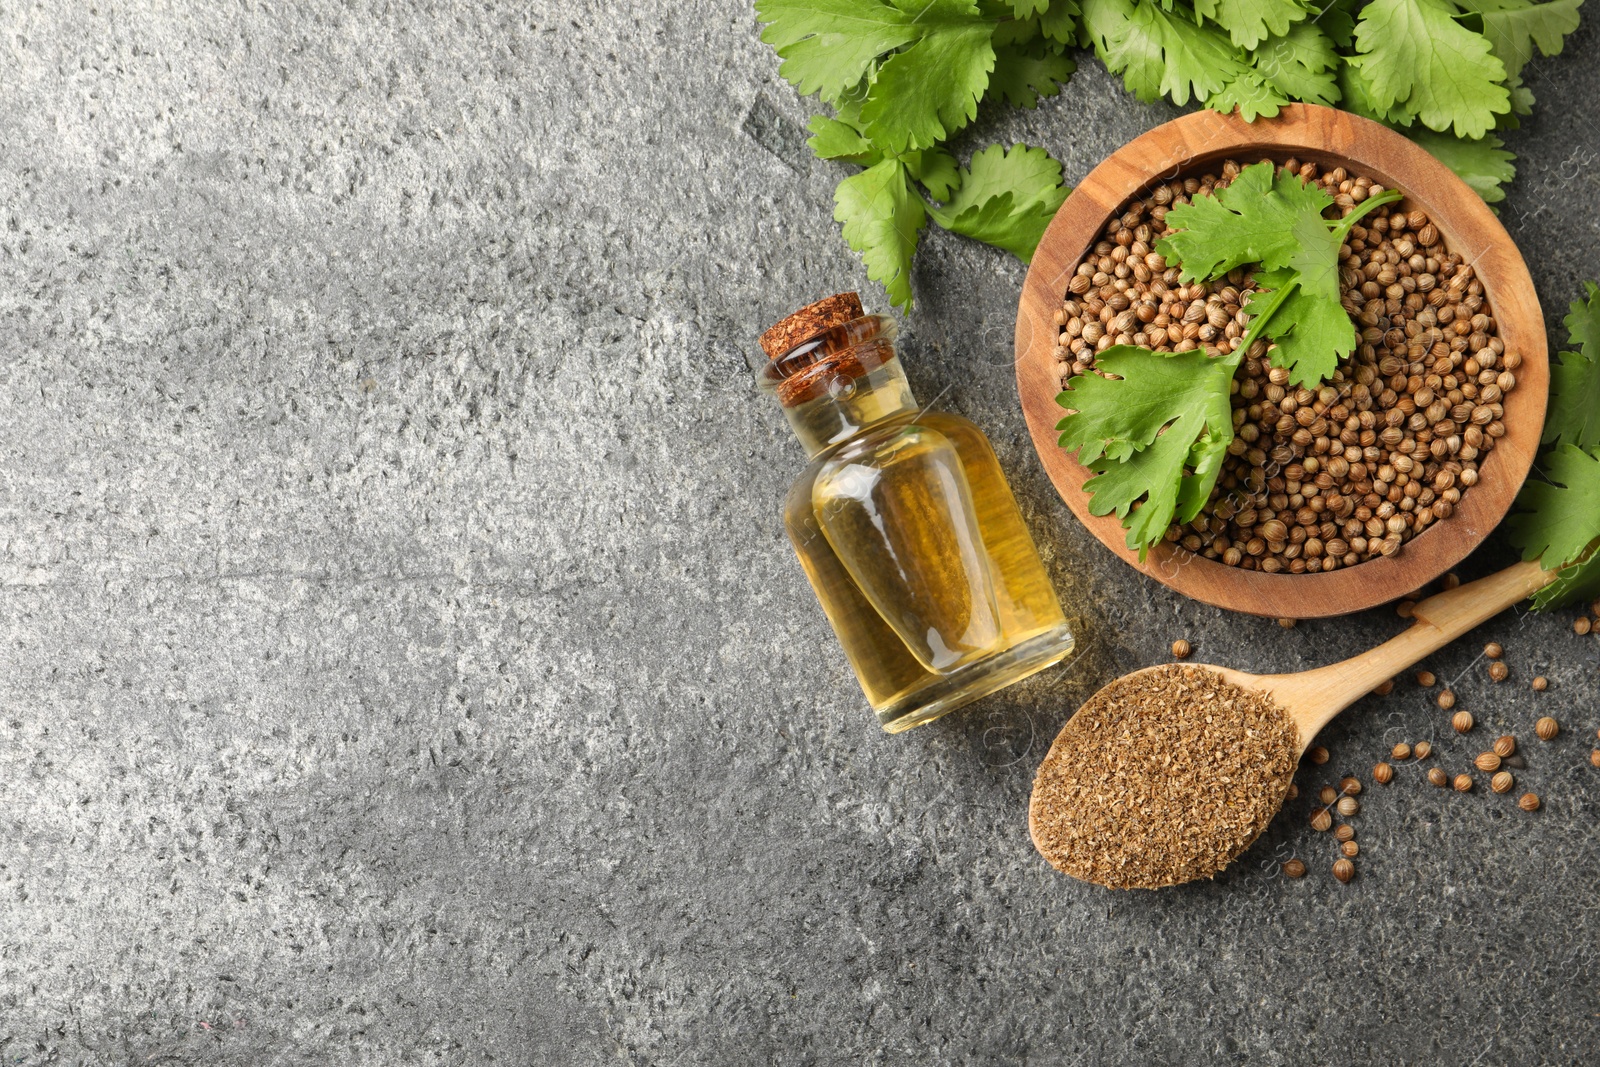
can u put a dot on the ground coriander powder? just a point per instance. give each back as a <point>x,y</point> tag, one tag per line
<point>1162,777</point>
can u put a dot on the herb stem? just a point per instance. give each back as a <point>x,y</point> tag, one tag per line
<point>1341,229</point>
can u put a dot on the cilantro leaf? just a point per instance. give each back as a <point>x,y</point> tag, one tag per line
<point>1249,22</point>
<point>1575,583</point>
<point>1515,27</point>
<point>936,169</point>
<point>1060,22</point>
<point>1005,199</point>
<point>925,93</point>
<point>1561,515</point>
<point>1024,73</point>
<point>1483,164</point>
<point>1028,8</point>
<point>829,46</point>
<point>835,139</point>
<point>1414,52</point>
<point>1139,430</point>
<point>1156,53</point>
<point>1574,417</point>
<point>1300,65</point>
<point>882,219</point>
<point>1252,220</point>
<point>1276,222</point>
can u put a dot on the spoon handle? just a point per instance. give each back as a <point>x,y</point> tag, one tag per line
<point>1317,696</point>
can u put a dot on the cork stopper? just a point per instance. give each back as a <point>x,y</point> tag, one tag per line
<point>811,320</point>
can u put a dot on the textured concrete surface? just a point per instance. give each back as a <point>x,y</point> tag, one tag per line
<point>403,663</point>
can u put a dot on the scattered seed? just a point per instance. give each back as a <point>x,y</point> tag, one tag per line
<point>1451,581</point>
<point>1181,648</point>
<point>1348,806</point>
<point>1447,699</point>
<point>1502,782</point>
<point>1350,849</point>
<point>1581,625</point>
<point>1426,679</point>
<point>1499,671</point>
<point>1493,650</point>
<point>1505,747</point>
<point>1383,774</point>
<point>1327,795</point>
<point>1321,820</point>
<point>1487,762</point>
<point>1344,870</point>
<point>1317,754</point>
<point>1294,869</point>
<point>1463,783</point>
<point>1384,688</point>
<point>1461,722</point>
<point>1288,624</point>
<point>1547,728</point>
<point>1400,751</point>
<point>1594,757</point>
<point>1350,785</point>
<point>1540,684</point>
<point>1406,609</point>
<point>1294,791</point>
<point>1344,832</point>
<point>1529,802</point>
<point>1422,750</point>
<point>1437,776</point>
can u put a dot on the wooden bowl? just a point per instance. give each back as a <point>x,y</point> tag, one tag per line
<point>1192,145</point>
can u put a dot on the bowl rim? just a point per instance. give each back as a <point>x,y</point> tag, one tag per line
<point>1331,137</point>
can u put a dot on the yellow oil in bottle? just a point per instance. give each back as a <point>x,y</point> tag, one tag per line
<point>915,546</point>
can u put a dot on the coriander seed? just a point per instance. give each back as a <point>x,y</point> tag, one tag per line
<point>1461,722</point>
<point>1321,820</point>
<point>1384,688</point>
<point>1487,762</point>
<point>1294,791</point>
<point>1447,699</point>
<point>1437,776</point>
<point>1422,750</point>
<point>1498,671</point>
<point>1344,832</point>
<point>1350,785</point>
<point>1594,757</point>
<point>1348,806</point>
<point>1327,795</point>
<point>1383,774</point>
<point>1181,649</point>
<point>1288,624</point>
<point>1294,869</point>
<point>1547,728</point>
<point>1350,849</point>
<point>1505,747</point>
<point>1581,625</point>
<point>1344,870</point>
<point>1540,684</point>
<point>1451,581</point>
<point>1529,802</point>
<point>1493,650</point>
<point>1400,751</point>
<point>1426,679</point>
<point>1406,608</point>
<point>1463,783</point>
<point>1317,754</point>
<point>1502,782</point>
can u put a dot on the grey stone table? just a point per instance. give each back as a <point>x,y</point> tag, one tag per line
<point>403,663</point>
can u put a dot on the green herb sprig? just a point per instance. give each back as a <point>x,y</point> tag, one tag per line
<point>1155,431</point>
<point>904,76</point>
<point>1558,522</point>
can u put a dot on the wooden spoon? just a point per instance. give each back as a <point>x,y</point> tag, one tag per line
<point>1311,698</point>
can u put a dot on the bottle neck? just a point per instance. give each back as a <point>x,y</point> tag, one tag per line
<point>850,406</point>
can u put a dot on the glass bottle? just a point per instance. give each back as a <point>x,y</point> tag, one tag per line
<point>905,525</point>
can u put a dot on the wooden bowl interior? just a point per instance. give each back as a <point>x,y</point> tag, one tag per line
<point>1194,145</point>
